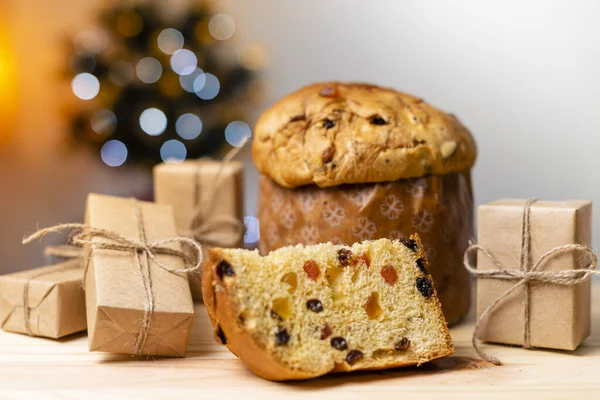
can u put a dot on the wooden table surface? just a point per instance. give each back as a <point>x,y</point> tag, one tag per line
<point>47,369</point>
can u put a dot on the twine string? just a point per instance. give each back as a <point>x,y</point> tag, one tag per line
<point>215,230</point>
<point>143,252</point>
<point>526,274</point>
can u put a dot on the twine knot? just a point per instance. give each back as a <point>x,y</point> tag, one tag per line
<point>527,273</point>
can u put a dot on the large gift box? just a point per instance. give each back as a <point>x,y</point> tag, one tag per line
<point>207,199</point>
<point>47,301</point>
<point>134,305</point>
<point>517,233</point>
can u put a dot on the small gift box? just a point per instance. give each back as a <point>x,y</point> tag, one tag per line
<point>533,267</point>
<point>47,301</point>
<point>207,199</point>
<point>137,302</point>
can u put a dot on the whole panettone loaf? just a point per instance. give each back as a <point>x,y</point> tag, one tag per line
<point>301,312</point>
<point>336,133</point>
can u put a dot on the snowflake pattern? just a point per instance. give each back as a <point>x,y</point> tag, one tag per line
<point>333,214</point>
<point>308,201</point>
<point>418,188</point>
<point>395,235</point>
<point>364,229</point>
<point>309,234</point>
<point>423,221</point>
<point>272,234</point>
<point>359,195</point>
<point>276,202</point>
<point>391,207</point>
<point>288,217</point>
<point>336,240</point>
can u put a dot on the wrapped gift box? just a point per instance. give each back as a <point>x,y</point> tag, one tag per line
<point>115,282</point>
<point>559,315</point>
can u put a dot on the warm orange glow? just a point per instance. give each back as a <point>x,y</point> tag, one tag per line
<point>8,92</point>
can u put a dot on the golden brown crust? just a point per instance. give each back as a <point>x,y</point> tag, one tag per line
<point>223,312</point>
<point>336,133</point>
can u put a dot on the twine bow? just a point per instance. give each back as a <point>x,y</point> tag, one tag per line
<point>215,230</point>
<point>526,274</point>
<point>82,235</point>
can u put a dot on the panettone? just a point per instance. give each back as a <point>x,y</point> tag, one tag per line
<point>350,162</point>
<point>301,312</point>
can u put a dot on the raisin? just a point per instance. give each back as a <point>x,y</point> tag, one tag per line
<point>344,256</point>
<point>282,337</point>
<point>402,345</point>
<point>276,316</point>
<point>421,264</point>
<point>327,155</point>
<point>339,343</point>
<point>425,287</point>
<point>354,356</point>
<point>224,268</point>
<point>377,120</point>
<point>221,335</point>
<point>299,117</point>
<point>328,91</point>
<point>325,332</point>
<point>389,274</point>
<point>312,270</point>
<point>411,244</point>
<point>314,305</point>
<point>328,124</point>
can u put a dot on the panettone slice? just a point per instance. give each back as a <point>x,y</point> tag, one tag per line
<point>301,312</point>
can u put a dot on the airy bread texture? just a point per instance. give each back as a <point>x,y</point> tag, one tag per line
<point>334,133</point>
<point>301,312</point>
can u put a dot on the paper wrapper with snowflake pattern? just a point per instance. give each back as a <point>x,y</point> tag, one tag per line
<point>439,208</point>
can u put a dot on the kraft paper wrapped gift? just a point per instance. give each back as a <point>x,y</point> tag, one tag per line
<point>53,296</point>
<point>559,315</point>
<point>193,183</point>
<point>120,290</point>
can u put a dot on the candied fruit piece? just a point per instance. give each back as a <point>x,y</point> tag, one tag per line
<point>389,274</point>
<point>282,337</point>
<point>224,268</point>
<point>314,305</point>
<point>425,287</point>
<point>325,331</point>
<point>339,343</point>
<point>411,244</point>
<point>354,356</point>
<point>421,262</point>
<point>344,256</point>
<point>312,270</point>
<point>402,345</point>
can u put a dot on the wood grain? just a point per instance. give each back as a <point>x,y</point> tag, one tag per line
<point>64,369</point>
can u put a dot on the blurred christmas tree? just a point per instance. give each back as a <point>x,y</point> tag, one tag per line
<point>161,85</point>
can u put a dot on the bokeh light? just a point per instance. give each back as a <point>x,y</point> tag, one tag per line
<point>149,70</point>
<point>93,40</point>
<point>85,86</point>
<point>103,121</point>
<point>188,126</point>
<point>210,89</point>
<point>170,40</point>
<point>173,151</point>
<point>252,234</point>
<point>121,73</point>
<point>114,153</point>
<point>188,82</point>
<point>153,121</point>
<point>237,132</point>
<point>221,26</point>
<point>184,62</point>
